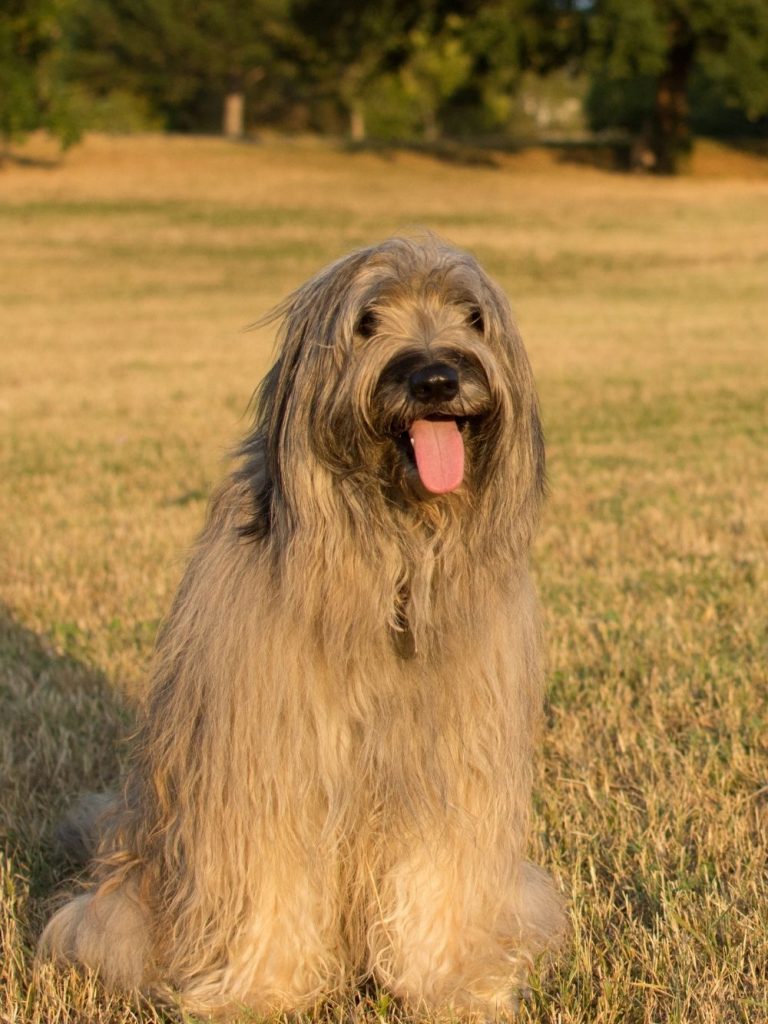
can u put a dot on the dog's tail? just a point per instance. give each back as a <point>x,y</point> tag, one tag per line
<point>80,831</point>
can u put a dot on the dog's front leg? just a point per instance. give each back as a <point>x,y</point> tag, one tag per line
<point>288,954</point>
<point>446,936</point>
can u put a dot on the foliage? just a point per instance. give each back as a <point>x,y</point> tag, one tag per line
<point>715,111</point>
<point>354,52</point>
<point>448,63</point>
<point>386,68</point>
<point>391,113</point>
<point>645,55</point>
<point>33,93</point>
<point>438,64</point>
<point>116,112</point>
<point>183,58</point>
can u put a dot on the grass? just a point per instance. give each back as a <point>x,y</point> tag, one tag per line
<point>129,272</point>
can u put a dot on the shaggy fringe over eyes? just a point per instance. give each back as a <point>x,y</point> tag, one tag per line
<point>331,779</point>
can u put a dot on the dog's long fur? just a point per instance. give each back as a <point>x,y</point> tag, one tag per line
<point>332,776</point>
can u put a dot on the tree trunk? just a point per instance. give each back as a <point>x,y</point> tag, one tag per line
<point>671,130</point>
<point>431,128</point>
<point>233,123</point>
<point>357,121</point>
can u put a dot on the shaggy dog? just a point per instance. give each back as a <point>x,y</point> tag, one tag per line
<point>331,780</point>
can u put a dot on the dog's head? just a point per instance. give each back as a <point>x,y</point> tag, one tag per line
<point>401,374</point>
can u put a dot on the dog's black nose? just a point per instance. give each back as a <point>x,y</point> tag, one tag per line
<point>437,382</point>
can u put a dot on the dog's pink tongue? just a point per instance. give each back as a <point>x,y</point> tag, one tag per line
<point>439,452</point>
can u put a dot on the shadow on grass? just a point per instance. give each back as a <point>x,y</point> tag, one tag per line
<point>614,156</point>
<point>606,153</point>
<point>463,154</point>
<point>7,157</point>
<point>61,733</point>
<point>757,146</point>
<point>611,151</point>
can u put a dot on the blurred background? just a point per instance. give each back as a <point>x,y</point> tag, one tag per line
<point>637,80</point>
<point>607,164</point>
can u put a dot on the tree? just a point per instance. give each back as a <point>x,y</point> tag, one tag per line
<point>507,40</point>
<point>644,55</point>
<point>432,56</point>
<point>349,46</point>
<point>186,59</point>
<point>438,64</point>
<point>33,93</point>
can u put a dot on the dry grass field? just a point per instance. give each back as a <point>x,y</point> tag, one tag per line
<point>128,273</point>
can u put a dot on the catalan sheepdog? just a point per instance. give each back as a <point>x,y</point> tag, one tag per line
<point>331,778</point>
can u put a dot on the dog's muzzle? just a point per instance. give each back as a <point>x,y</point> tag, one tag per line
<point>430,409</point>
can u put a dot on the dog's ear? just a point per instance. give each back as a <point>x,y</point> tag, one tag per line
<point>310,319</point>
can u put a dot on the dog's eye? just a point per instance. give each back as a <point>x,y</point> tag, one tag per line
<point>475,319</point>
<point>367,324</point>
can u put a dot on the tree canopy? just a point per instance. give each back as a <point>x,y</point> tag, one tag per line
<point>653,69</point>
<point>33,90</point>
<point>645,56</point>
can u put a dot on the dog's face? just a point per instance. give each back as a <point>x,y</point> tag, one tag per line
<point>401,370</point>
<point>424,391</point>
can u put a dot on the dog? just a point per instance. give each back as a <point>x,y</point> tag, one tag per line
<point>331,777</point>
